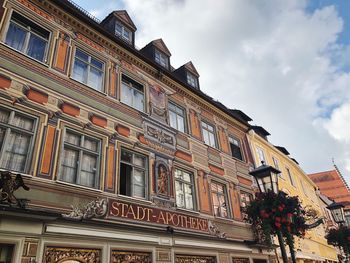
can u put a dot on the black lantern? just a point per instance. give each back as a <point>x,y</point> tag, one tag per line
<point>337,211</point>
<point>266,177</point>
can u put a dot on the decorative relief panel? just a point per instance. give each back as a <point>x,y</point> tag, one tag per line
<point>157,103</point>
<point>130,257</point>
<point>162,177</point>
<point>159,134</point>
<point>58,254</point>
<point>240,260</point>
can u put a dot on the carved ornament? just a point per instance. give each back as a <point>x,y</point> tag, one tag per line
<point>56,254</point>
<point>94,209</point>
<point>8,185</point>
<point>215,231</point>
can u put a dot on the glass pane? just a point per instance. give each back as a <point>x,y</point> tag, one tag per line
<point>2,135</point>
<point>88,170</point>
<point>139,183</point>
<point>138,100</point>
<point>172,107</point>
<point>97,64</point>
<point>4,116</point>
<point>6,253</point>
<point>72,138</point>
<point>69,165</point>
<point>178,174</point>
<point>187,177</point>
<point>180,196</point>
<point>16,151</point>
<point>212,140</point>
<point>23,122</point>
<point>81,55</point>
<point>206,137</point>
<point>139,191</point>
<point>220,188</point>
<point>16,37</point>
<point>180,123</point>
<point>126,156</point>
<point>95,79</point>
<point>126,34</point>
<point>36,47</point>
<point>80,71</point>
<point>210,128</point>
<point>214,187</point>
<point>139,160</point>
<point>172,119</point>
<point>189,196</point>
<point>118,29</point>
<point>91,144</point>
<point>126,96</point>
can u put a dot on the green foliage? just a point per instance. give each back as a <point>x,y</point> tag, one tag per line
<point>340,237</point>
<point>271,212</point>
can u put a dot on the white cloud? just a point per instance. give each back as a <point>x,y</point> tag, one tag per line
<point>271,59</point>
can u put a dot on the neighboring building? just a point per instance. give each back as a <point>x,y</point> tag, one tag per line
<point>333,185</point>
<point>294,182</point>
<point>126,159</point>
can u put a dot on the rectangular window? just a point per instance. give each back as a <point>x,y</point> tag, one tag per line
<point>209,136</point>
<point>291,179</point>
<point>261,156</point>
<point>276,165</point>
<point>88,70</point>
<point>132,93</point>
<point>133,174</point>
<point>16,140</point>
<point>177,117</point>
<point>184,189</point>
<point>6,253</point>
<point>246,198</point>
<point>27,37</point>
<point>161,58</point>
<point>80,159</point>
<point>236,150</point>
<point>192,80</point>
<point>219,198</point>
<point>122,32</point>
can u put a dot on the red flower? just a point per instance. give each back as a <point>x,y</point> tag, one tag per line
<point>278,225</point>
<point>277,219</point>
<point>280,208</point>
<point>289,229</point>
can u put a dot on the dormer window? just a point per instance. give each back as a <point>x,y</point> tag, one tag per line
<point>192,80</point>
<point>161,58</point>
<point>122,32</point>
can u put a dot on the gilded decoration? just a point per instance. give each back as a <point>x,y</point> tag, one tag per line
<point>159,134</point>
<point>8,185</point>
<point>131,257</point>
<point>240,260</point>
<point>96,208</point>
<point>194,259</point>
<point>215,231</point>
<point>65,255</point>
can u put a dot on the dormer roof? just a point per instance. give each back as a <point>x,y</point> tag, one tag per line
<point>190,67</point>
<point>282,149</point>
<point>159,44</point>
<point>124,17</point>
<point>261,131</point>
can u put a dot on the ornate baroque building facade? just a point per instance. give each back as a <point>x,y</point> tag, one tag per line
<point>126,159</point>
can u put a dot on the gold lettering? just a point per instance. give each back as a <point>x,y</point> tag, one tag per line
<point>115,209</point>
<point>149,213</point>
<point>131,212</point>
<point>162,218</point>
<point>140,210</point>
<point>124,207</point>
<point>175,219</point>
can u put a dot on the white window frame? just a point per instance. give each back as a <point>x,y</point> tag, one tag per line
<point>277,166</point>
<point>231,140</point>
<point>145,169</point>
<point>8,128</point>
<point>89,66</point>
<point>187,183</point>
<point>133,87</point>
<point>161,58</point>
<point>29,32</point>
<point>184,116</point>
<point>290,177</point>
<point>261,155</point>
<point>81,151</point>
<point>226,199</point>
<point>206,129</point>
<point>122,33</point>
<point>192,80</point>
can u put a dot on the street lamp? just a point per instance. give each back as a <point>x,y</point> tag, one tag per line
<point>337,211</point>
<point>266,177</point>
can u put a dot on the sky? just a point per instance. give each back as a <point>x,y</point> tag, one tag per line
<point>285,63</point>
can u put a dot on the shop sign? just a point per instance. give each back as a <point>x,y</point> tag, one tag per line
<point>123,210</point>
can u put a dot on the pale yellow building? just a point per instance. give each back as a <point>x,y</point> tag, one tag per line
<point>294,181</point>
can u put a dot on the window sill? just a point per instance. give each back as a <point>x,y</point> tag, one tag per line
<point>79,186</point>
<point>142,112</point>
<point>45,64</point>
<point>187,210</point>
<point>85,85</point>
<point>230,220</point>
<point>16,172</point>
<point>134,199</point>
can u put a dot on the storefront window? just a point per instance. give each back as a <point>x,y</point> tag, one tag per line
<point>6,253</point>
